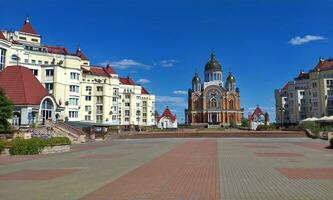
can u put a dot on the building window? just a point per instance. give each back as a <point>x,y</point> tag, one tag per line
<point>46,62</point>
<point>73,101</point>
<point>35,72</point>
<point>2,58</point>
<point>73,114</point>
<point>99,99</point>
<point>49,86</point>
<point>115,92</point>
<point>127,96</point>
<point>49,72</point>
<point>34,40</point>
<point>127,104</point>
<point>302,93</point>
<point>127,112</point>
<point>329,83</point>
<point>88,88</point>
<point>22,38</point>
<point>99,118</point>
<point>40,62</point>
<point>88,98</point>
<point>26,60</point>
<point>114,99</point>
<point>74,88</point>
<point>75,76</point>
<point>87,117</point>
<point>314,94</point>
<point>114,117</point>
<point>33,61</point>
<point>87,108</point>
<point>126,119</point>
<point>314,85</point>
<point>99,88</point>
<point>99,109</point>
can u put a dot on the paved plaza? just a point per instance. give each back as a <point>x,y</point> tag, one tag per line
<point>179,169</point>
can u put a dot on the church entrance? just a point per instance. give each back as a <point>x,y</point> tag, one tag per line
<point>214,118</point>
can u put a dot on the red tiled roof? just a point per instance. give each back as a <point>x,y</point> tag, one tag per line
<point>27,28</point>
<point>21,86</point>
<point>167,113</point>
<point>99,71</point>
<point>126,81</point>
<point>324,63</point>
<point>256,112</point>
<point>2,37</point>
<point>57,50</point>
<point>81,54</point>
<point>285,86</point>
<point>303,75</point>
<point>144,91</point>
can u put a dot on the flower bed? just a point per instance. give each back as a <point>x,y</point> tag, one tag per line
<point>21,146</point>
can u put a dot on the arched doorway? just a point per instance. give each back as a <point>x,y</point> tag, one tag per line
<point>47,109</point>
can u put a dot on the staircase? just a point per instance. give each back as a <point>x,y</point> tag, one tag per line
<point>74,134</point>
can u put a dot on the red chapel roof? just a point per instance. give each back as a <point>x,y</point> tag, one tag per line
<point>21,86</point>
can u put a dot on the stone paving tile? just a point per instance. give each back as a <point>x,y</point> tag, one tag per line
<point>104,156</point>
<point>37,174</point>
<point>278,154</point>
<point>245,176</point>
<point>315,145</point>
<point>190,171</point>
<point>260,146</point>
<point>307,173</point>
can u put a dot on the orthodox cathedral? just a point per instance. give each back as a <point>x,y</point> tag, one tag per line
<point>213,102</point>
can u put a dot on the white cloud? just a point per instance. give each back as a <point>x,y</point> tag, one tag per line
<point>180,92</point>
<point>168,63</point>
<point>125,64</point>
<point>143,81</point>
<point>176,101</point>
<point>307,38</point>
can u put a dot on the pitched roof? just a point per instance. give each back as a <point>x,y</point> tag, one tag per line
<point>27,28</point>
<point>167,113</point>
<point>324,63</point>
<point>81,54</point>
<point>144,91</point>
<point>99,71</point>
<point>285,86</point>
<point>2,37</point>
<point>57,50</point>
<point>302,75</point>
<point>256,112</point>
<point>126,81</point>
<point>21,86</point>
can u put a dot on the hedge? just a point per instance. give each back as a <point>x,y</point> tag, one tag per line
<point>21,146</point>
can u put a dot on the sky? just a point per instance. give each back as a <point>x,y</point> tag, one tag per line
<point>161,44</point>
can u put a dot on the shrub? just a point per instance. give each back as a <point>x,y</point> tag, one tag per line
<point>232,124</point>
<point>312,126</point>
<point>245,122</point>
<point>263,127</point>
<point>2,146</point>
<point>21,146</point>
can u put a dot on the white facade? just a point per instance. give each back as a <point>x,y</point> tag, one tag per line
<point>86,94</point>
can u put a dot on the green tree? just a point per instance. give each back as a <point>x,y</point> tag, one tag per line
<point>232,124</point>
<point>245,122</point>
<point>6,111</point>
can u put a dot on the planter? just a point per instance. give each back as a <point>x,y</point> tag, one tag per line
<point>56,149</point>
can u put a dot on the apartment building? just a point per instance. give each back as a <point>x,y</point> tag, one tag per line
<point>308,95</point>
<point>85,92</point>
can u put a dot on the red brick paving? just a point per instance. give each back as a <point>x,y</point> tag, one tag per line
<point>260,146</point>
<point>307,173</point>
<point>137,147</point>
<point>189,171</point>
<point>278,155</point>
<point>104,156</point>
<point>315,145</point>
<point>42,174</point>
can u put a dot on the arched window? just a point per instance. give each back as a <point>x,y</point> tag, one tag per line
<point>231,104</point>
<point>213,103</point>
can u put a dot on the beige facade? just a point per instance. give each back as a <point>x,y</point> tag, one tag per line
<point>308,95</point>
<point>87,93</point>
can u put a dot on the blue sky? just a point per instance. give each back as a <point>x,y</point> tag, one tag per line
<point>164,43</point>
